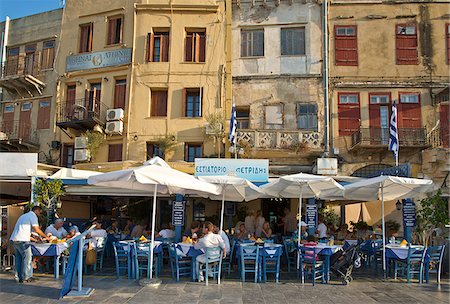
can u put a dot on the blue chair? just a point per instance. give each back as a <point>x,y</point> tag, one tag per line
<point>270,260</point>
<point>414,264</point>
<point>212,263</point>
<point>141,257</point>
<point>227,262</point>
<point>180,265</point>
<point>309,261</point>
<point>122,258</point>
<point>249,261</point>
<point>290,253</point>
<point>377,254</point>
<point>100,251</point>
<point>435,255</point>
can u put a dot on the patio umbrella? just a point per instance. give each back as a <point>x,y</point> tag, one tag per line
<point>165,180</point>
<point>234,189</point>
<point>303,185</point>
<point>388,188</point>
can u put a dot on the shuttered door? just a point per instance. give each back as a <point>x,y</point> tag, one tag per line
<point>406,44</point>
<point>445,121</point>
<point>25,120</point>
<point>44,115</point>
<point>69,107</point>
<point>120,92</point>
<point>8,118</point>
<point>346,46</point>
<point>159,103</point>
<point>447,35</point>
<point>67,156</point>
<point>409,111</point>
<point>115,152</point>
<point>12,61</point>
<point>348,113</point>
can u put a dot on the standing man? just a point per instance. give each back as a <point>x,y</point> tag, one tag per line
<point>20,239</point>
<point>290,222</point>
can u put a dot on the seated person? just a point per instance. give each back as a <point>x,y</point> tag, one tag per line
<point>57,229</point>
<point>128,227</point>
<point>138,230</point>
<point>166,232</point>
<point>242,234</point>
<point>192,231</point>
<point>342,232</point>
<point>208,240</point>
<point>225,238</point>
<point>266,231</point>
<point>311,241</point>
<point>73,232</point>
<point>114,228</point>
<point>97,233</point>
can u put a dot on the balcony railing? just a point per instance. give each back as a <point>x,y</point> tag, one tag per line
<point>17,131</point>
<point>82,113</point>
<point>279,139</point>
<point>21,66</point>
<point>376,137</point>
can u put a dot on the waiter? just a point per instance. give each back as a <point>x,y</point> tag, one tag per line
<point>20,239</point>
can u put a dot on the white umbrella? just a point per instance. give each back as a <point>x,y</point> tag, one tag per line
<point>67,173</point>
<point>388,188</point>
<point>165,180</point>
<point>234,189</point>
<point>302,185</point>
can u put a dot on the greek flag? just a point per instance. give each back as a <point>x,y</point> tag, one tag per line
<point>393,134</point>
<point>233,126</point>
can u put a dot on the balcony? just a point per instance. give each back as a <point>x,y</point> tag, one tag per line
<point>279,139</point>
<point>379,138</point>
<point>18,136</point>
<point>81,114</point>
<point>21,76</point>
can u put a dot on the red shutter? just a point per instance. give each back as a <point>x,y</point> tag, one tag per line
<point>346,48</point>
<point>112,26</point>
<point>115,152</point>
<point>349,116</point>
<point>25,122</point>
<point>409,114</point>
<point>202,50</point>
<point>120,92</point>
<point>44,115</point>
<point>150,41</point>
<point>445,121</point>
<point>165,47</point>
<point>188,48</point>
<point>406,47</point>
<point>447,40</point>
<point>8,120</point>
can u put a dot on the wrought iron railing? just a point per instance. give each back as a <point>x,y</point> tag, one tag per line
<point>19,130</point>
<point>21,66</point>
<point>408,137</point>
<point>279,139</point>
<point>82,110</point>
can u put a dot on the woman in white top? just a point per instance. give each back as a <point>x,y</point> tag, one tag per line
<point>259,222</point>
<point>250,222</point>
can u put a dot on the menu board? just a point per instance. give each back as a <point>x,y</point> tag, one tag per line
<point>409,213</point>
<point>311,215</point>
<point>178,211</point>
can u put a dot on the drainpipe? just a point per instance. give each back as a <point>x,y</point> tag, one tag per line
<point>228,79</point>
<point>325,78</point>
<point>4,41</point>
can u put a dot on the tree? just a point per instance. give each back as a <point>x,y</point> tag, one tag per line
<point>166,143</point>
<point>214,129</point>
<point>46,195</point>
<point>94,141</point>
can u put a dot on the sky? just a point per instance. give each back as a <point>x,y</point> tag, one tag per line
<point>20,8</point>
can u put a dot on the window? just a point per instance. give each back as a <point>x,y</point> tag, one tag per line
<point>12,61</point>
<point>346,45</point>
<point>447,36</point>
<point>195,48</point>
<point>115,30</point>
<point>199,212</point>
<point>252,43</point>
<point>307,117</point>
<point>9,108</point>
<point>26,106</point>
<point>243,118</point>
<point>192,102</point>
<point>379,98</point>
<point>348,113</point>
<point>409,98</point>
<point>48,54</point>
<point>293,41</point>
<point>159,103</point>
<point>44,115</point>
<point>86,35</point>
<point>192,151</point>
<point>154,150</point>
<point>406,44</point>
<point>67,157</point>
<point>120,92</point>
<point>274,117</point>
<point>115,153</point>
<point>158,47</point>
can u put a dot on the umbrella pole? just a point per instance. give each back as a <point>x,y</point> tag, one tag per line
<point>222,211</point>
<point>383,224</point>
<point>299,224</point>
<point>152,245</point>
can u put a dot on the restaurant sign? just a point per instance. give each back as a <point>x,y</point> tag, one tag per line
<point>409,213</point>
<point>255,170</point>
<point>311,215</point>
<point>178,213</point>
<point>98,60</point>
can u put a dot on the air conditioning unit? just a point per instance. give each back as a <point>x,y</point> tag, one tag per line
<point>114,114</point>
<point>82,155</point>
<point>81,142</point>
<point>114,127</point>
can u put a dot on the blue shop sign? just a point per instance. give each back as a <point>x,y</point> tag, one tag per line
<point>98,60</point>
<point>255,170</point>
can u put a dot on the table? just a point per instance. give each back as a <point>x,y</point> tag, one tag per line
<point>397,252</point>
<point>349,243</point>
<point>326,251</point>
<point>48,249</point>
<point>189,251</point>
<point>157,250</point>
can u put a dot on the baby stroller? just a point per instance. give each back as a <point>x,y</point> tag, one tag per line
<point>342,262</point>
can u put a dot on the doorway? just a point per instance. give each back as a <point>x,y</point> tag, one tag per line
<point>273,212</point>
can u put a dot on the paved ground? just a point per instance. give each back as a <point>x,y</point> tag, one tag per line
<point>108,289</point>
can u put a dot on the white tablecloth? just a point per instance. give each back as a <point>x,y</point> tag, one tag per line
<point>401,252</point>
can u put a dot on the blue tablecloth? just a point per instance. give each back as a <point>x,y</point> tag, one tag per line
<point>50,250</point>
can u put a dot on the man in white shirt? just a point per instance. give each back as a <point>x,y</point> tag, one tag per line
<point>225,238</point>
<point>57,229</point>
<point>20,239</point>
<point>98,235</point>
<point>209,240</point>
<point>321,229</point>
<point>166,232</point>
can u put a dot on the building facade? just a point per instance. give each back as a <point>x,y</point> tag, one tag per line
<point>28,82</point>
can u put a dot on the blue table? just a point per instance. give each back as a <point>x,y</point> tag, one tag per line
<point>326,251</point>
<point>157,250</point>
<point>50,250</point>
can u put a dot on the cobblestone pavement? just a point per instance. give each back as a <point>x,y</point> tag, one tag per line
<point>364,289</point>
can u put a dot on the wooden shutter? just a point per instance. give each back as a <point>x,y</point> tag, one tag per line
<point>83,38</point>
<point>44,114</point>
<point>346,48</point>
<point>112,27</point>
<point>188,47</point>
<point>348,116</point>
<point>409,114</point>
<point>183,102</point>
<point>120,92</point>
<point>447,41</point>
<point>202,47</point>
<point>150,43</point>
<point>165,47</point>
<point>8,118</point>
<point>115,152</point>
<point>406,46</point>
<point>444,123</point>
<point>48,54</point>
